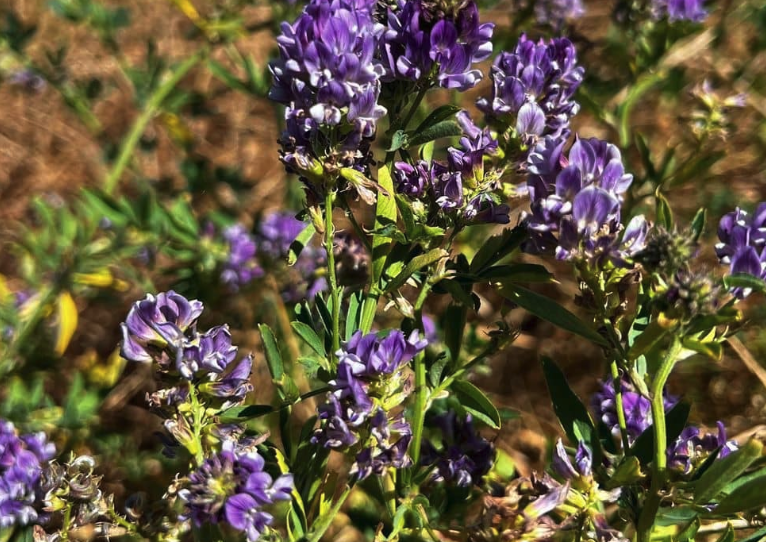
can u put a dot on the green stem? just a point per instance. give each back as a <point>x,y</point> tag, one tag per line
<point>619,405</point>
<point>151,109</point>
<point>326,519</point>
<point>197,423</point>
<point>421,387</point>
<point>659,464</point>
<point>329,242</point>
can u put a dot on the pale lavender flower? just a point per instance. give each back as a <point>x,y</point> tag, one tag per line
<point>680,10</point>
<point>240,266</point>
<point>556,13</point>
<point>563,466</point>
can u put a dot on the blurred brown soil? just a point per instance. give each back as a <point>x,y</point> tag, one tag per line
<point>46,151</point>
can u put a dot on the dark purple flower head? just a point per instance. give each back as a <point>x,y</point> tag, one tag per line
<point>424,37</point>
<point>533,89</point>
<point>367,386</point>
<point>680,10</point>
<point>743,239</point>
<point>22,460</point>
<point>241,266</point>
<point>276,232</point>
<point>231,486</point>
<point>692,447</point>
<point>411,180</point>
<point>638,409</point>
<point>464,456</point>
<point>328,76</point>
<point>157,322</point>
<point>579,196</point>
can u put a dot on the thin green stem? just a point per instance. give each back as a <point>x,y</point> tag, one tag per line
<point>326,518</point>
<point>421,387</point>
<point>152,107</point>
<point>619,405</point>
<point>659,464</point>
<point>329,244</point>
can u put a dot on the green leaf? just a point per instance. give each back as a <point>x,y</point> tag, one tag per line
<point>273,355</point>
<point>664,214</point>
<point>445,128</point>
<point>689,532</point>
<point>415,264</point>
<point>727,535</point>
<point>245,412</point>
<point>385,214</point>
<point>478,404</point>
<point>354,314</point>
<point>746,281</point>
<point>228,78</point>
<point>303,239</point>
<point>644,342</point>
<point>746,497</point>
<point>675,421</point>
<point>453,324</point>
<point>550,311</point>
<point>646,156</point>
<point>497,247</point>
<point>711,349</point>
<point>399,140</point>
<point>518,272</point>
<point>757,536</point>
<point>570,411</point>
<point>310,337</point>
<point>725,470</point>
<point>698,224</point>
<point>438,115</point>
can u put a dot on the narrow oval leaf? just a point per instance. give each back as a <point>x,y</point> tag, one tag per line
<point>745,280</point>
<point>644,342</point>
<point>67,321</point>
<point>746,497</point>
<point>416,264</point>
<point>310,337</point>
<point>724,471</point>
<point>550,311</point>
<point>303,239</point>
<point>478,404</point>
<point>570,410</point>
<point>445,128</point>
<point>245,412</point>
<point>497,247</point>
<point>441,113</point>
<point>273,355</point>
<point>385,214</point>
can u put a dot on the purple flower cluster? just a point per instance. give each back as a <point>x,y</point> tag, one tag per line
<point>241,266</point>
<point>465,456</point>
<point>556,13</point>
<point>533,89</point>
<point>578,197</point>
<point>743,239</point>
<point>328,76</point>
<point>424,37</point>
<point>162,330</point>
<point>679,10</point>
<point>232,487</point>
<point>638,408</point>
<point>367,387</point>
<point>457,188</point>
<point>692,447</point>
<point>22,459</point>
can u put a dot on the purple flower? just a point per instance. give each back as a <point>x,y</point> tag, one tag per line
<point>22,459</point>
<point>464,457</point>
<point>563,466</point>
<point>579,197</point>
<point>692,447</point>
<point>231,486</point>
<point>421,38</point>
<point>240,267</point>
<point>533,89</point>
<point>328,76</point>
<point>155,323</point>
<point>412,180</point>
<point>680,10</point>
<point>367,386</point>
<point>637,408</point>
<point>743,239</point>
<point>555,13</point>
